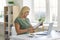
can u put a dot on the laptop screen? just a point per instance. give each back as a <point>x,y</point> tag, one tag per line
<point>50,28</point>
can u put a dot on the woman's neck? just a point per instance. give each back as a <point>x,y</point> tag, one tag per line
<point>23,17</point>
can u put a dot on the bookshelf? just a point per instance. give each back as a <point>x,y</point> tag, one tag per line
<point>10,14</point>
<point>5,17</point>
<point>8,20</point>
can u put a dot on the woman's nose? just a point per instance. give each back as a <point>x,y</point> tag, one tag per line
<point>27,13</point>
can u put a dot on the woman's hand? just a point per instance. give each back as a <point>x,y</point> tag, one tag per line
<point>30,30</point>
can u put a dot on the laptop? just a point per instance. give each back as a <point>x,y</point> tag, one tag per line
<point>46,32</point>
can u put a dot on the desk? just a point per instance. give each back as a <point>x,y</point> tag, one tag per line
<point>53,36</point>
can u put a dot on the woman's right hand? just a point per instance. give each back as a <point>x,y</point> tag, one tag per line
<point>30,30</point>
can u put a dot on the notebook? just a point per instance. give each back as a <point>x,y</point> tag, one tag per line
<point>46,32</point>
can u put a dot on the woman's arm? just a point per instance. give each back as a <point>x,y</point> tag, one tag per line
<point>31,29</point>
<point>18,30</point>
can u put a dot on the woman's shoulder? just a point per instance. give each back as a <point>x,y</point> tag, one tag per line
<point>18,18</point>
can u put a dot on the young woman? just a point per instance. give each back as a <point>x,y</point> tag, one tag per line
<point>22,23</point>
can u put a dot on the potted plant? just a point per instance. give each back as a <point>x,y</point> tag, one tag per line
<point>41,20</point>
<point>11,2</point>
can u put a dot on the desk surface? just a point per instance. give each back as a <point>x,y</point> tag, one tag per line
<point>54,35</point>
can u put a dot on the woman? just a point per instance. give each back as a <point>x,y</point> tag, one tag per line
<point>22,23</point>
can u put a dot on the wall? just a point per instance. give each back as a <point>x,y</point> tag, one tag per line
<point>16,10</point>
<point>17,6</point>
<point>18,2</point>
<point>58,15</point>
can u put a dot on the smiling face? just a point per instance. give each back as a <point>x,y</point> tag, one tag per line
<point>25,14</point>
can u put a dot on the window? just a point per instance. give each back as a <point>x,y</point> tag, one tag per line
<point>29,4</point>
<point>39,5</point>
<point>38,9</point>
<point>53,10</point>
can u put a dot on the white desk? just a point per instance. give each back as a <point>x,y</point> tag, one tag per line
<point>54,36</point>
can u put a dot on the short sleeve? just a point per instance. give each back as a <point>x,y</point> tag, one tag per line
<point>16,20</point>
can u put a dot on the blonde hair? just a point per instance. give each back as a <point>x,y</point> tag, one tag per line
<point>23,10</point>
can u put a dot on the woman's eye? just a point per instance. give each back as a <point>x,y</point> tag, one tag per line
<point>27,12</point>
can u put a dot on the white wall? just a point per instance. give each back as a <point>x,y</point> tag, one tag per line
<point>18,6</point>
<point>16,10</point>
<point>18,2</point>
<point>58,15</point>
<point>47,11</point>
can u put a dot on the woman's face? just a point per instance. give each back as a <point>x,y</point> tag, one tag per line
<point>25,14</point>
